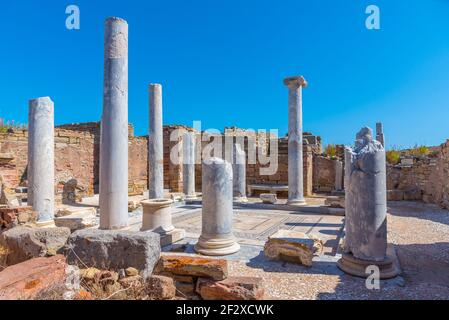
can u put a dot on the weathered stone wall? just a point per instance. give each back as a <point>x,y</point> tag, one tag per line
<point>323,174</point>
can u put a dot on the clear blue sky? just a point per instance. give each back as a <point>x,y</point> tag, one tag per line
<point>223,62</point>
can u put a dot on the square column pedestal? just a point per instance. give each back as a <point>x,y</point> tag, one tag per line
<point>157,218</point>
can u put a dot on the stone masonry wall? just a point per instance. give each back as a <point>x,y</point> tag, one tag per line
<point>323,174</point>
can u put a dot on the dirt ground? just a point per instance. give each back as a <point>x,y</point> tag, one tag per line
<point>420,234</point>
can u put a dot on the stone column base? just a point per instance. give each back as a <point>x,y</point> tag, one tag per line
<point>45,224</point>
<point>297,202</point>
<point>217,246</point>
<point>389,268</point>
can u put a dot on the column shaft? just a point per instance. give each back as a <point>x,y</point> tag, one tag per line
<point>189,165</point>
<point>155,147</point>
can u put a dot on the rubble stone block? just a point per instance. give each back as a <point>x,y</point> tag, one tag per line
<point>160,288</point>
<point>233,288</point>
<point>81,219</point>
<point>114,250</point>
<point>293,246</point>
<point>26,243</point>
<point>32,278</point>
<point>268,198</point>
<point>187,265</point>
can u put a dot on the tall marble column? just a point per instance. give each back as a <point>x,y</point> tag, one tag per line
<point>155,146</point>
<point>217,238</point>
<point>188,144</point>
<point>295,141</point>
<point>365,242</point>
<point>41,158</point>
<point>239,170</point>
<point>114,128</point>
<point>380,133</point>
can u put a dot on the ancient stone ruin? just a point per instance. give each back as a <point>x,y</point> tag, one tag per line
<point>186,214</point>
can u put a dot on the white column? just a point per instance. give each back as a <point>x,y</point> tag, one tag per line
<point>41,158</point>
<point>189,165</point>
<point>114,128</point>
<point>155,146</point>
<point>295,141</point>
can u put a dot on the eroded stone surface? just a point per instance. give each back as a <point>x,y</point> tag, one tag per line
<point>233,288</point>
<point>114,250</point>
<point>269,198</point>
<point>188,265</point>
<point>24,243</point>
<point>32,278</point>
<point>80,219</point>
<point>293,246</point>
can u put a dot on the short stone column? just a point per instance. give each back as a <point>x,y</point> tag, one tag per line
<point>41,158</point>
<point>217,238</point>
<point>157,217</point>
<point>365,242</point>
<point>114,128</point>
<point>380,136</point>
<point>295,141</point>
<point>155,145</point>
<point>239,171</point>
<point>188,144</point>
<point>338,175</point>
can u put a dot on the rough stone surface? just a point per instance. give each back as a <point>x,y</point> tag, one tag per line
<point>188,265</point>
<point>269,198</point>
<point>15,216</point>
<point>114,128</point>
<point>32,278</point>
<point>160,288</point>
<point>366,199</point>
<point>233,288</point>
<point>86,218</point>
<point>41,158</point>
<point>114,250</point>
<point>24,243</point>
<point>293,246</point>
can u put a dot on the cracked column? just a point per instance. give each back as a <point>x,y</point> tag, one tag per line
<point>41,158</point>
<point>365,242</point>
<point>155,146</point>
<point>114,128</point>
<point>239,170</point>
<point>217,238</point>
<point>189,166</point>
<point>295,141</point>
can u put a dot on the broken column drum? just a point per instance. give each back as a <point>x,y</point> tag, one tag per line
<point>239,172</point>
<point>114,128</point>
<point>41,158</point>
<point>217,238</point>
<point>365,240</point>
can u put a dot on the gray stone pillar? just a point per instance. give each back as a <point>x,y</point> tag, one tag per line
<point>365,241</point>
<point>380,133</point>
<point>295,141</point>
<point>188,144</point>
<point>239,171</point>
<point>338,175</point>
<point>156,144</point>
<point>41,158</point>
<point>217,238</point>
<point>114,128</point>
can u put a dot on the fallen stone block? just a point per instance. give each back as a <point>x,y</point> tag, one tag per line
<point>114,250</point>
<point>33,278</point>
<point>293,246</point>
<point>232,288</point>
<point>78,220</point>
<point>11,217</point>
<point>160,288</point>
<point>269,198</point>
<point>335,202</point>
<point>188,265</point>
<point>24,243</point>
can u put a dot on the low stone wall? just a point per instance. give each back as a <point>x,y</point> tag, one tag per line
<point>323,174</point>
